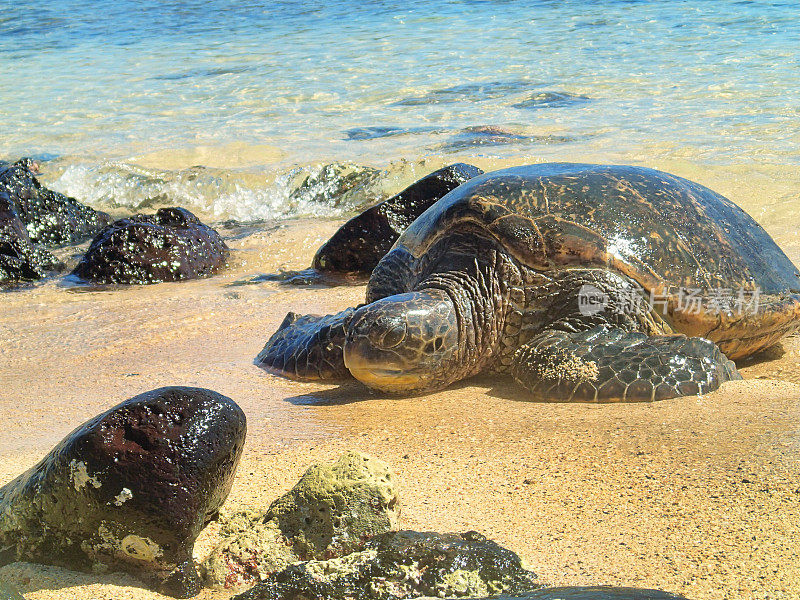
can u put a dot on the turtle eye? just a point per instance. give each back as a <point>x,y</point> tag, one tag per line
<point>390,337</point>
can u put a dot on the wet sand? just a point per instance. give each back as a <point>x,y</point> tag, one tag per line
<point>699,496</point>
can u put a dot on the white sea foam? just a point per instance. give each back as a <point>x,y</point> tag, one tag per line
<point>322,190</point>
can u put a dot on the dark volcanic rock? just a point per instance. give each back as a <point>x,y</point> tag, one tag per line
<point>403,564</point>
<point>360,243</point>
<point>20,260</point>
<point>171,245</point>
<point>50,218</point>
<point>129,490</point>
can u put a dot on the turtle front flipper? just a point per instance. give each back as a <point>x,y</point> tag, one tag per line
<point>307,347</point>
<point>606,364</point>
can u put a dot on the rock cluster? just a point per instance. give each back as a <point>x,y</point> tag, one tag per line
<point>171,245</point>
<point>32,216</point>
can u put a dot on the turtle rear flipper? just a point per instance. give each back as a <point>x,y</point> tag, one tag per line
<point>307,347</point>
<point>606,364</point>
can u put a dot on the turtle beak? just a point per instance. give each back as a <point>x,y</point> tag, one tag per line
<point>403,343</point>
<point>373,354</point>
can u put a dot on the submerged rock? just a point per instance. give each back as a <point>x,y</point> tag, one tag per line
<point>372,133</point>
<point>335,184</point>
<point>49,217</point>
<point>129,490</point>
<point>331,511</point>
<point>552,100</point>
<point>360,243</point>
<point>20,259</point>
<point>491,135</point>
<point>469,92</point>
<point>171,245</point>
<point>404,564</point>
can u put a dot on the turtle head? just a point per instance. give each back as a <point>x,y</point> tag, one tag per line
<point>404,343</point>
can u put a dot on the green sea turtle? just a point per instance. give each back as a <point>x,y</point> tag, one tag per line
<point>580,281</point>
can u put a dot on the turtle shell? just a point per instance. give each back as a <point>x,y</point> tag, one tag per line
<point>666,233</point>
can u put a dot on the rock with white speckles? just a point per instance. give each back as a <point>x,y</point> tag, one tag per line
<point>171,245</point>
<point>20,259</point>
<point>129,490</point>
<point>50,218</point>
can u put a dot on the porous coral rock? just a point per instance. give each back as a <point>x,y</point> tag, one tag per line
<point>331,511</point>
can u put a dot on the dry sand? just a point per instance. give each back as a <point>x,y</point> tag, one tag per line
<point>695,495</point>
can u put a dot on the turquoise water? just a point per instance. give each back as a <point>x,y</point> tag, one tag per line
<point>124,96</point>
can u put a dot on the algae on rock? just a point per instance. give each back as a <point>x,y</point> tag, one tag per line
<point>404,564</point>
<point>330,512</point>
<point>334,508</point>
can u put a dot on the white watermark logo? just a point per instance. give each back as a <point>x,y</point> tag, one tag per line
<point>591,300</point>
<point>690,301</point>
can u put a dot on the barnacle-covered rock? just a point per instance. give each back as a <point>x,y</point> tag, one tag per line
<point>49,217</point>
<point>129,490</point>
<point>331,511</point>
<point>171,245</point>
<point>404,564</point>
<point>20,259</point>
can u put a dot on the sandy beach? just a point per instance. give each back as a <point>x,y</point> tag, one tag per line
<point>274,122</point>
<point>695,495</point>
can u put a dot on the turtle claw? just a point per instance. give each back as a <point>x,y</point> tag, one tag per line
<point>307,347</point>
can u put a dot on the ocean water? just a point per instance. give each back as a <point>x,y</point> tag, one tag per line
<point>234,109</point>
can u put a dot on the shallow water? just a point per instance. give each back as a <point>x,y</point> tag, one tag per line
<point>125,97</point>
